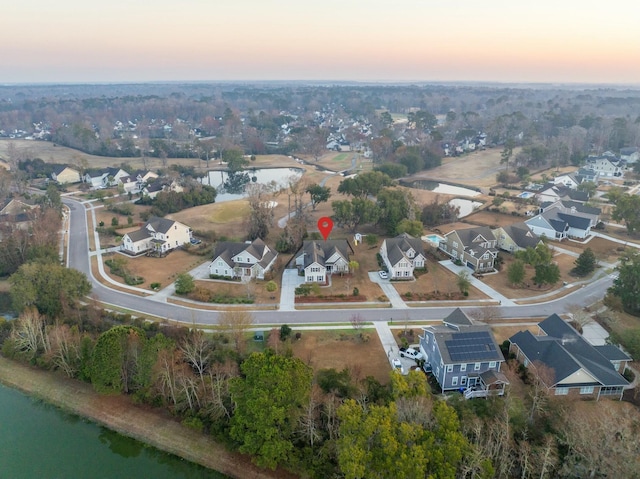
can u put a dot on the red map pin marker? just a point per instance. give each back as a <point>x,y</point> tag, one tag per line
<point>325,225</point>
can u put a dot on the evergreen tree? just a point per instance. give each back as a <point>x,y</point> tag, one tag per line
<point>585,263</point>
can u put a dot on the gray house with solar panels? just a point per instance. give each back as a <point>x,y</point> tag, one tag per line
<point>464,356</point>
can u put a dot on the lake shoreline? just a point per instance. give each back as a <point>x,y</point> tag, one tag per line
<point>120,414</point>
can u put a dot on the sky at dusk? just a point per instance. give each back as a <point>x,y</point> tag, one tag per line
<point>360,40</point>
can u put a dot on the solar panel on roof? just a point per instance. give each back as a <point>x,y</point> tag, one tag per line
<point>471,346</point>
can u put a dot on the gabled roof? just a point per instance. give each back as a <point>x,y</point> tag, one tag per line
<point>227,250</point>
<point>522,235</point>
<point>491,376</point>
<point>159,225</point>
<point>458,318</point>
<point>60,168</point>
<point>471,236</point>
<point>139,235</point>
<point>565,352</point>
<point>320,251</point>
<point>581,207</point>
<point>397,247</point>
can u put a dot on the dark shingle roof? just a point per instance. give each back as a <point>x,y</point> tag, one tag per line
<point>522,235</point>
<point>397,247</point>
<point>160,225</point>
<point>565,351</point>
<point>320,251</point>
<point>458,318</point>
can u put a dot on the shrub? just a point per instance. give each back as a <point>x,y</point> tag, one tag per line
<point>356,291</point>
<point>285,332</point>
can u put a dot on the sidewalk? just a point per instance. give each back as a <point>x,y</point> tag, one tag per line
<point>489,291</point>
<point>389,290</point>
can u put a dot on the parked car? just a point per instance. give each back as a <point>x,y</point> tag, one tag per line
<point>397,365</point>
<point>411,354</point>
<point>383,274</point>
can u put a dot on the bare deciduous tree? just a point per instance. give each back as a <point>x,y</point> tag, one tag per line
<point>235,324</point>
<point>28,332</point>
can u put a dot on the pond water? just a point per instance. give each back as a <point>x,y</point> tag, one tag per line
<point>231,186</point>
<point>40,440</point>
<point>466,206</point>
<point>443,188</point>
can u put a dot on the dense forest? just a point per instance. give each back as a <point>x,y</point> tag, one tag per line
<point>412,125</point>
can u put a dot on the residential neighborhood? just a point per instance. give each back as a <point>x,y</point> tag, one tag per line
<point>403,266</point>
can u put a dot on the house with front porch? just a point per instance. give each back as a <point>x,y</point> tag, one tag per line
<point>460,353</point>
<point>401,255</point>
<point>159,235</point>
<point>320,259</point>
<point>246,260</point>
<point>567,364</point>
<point>474,247</point>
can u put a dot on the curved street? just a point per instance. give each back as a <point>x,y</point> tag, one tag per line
<point>78,258</point>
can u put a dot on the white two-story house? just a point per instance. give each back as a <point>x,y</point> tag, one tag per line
<point>158,234</point>
<point>320,259</point>
<point>242,260</point>
<point>401,255</point>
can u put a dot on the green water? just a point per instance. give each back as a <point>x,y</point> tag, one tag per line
<point>39,441</point>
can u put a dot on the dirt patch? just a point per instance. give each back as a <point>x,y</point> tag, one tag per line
<point>154,427</point>
<point>157,270</point>
<point>438,282</point>
<point>341,349</point>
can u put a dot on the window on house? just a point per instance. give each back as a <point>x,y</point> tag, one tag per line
<point>449,368</point>
<point>455,244</point>
<point>463,367</point>
<point>562,391</point>
<point>463,380</point>
<point>320,278</point>
<point>309,279</point>
<point>438,371</point>
<point>492,364</point>
<point>454,381</point>
<point>476,367</point>
<point>586,390</point>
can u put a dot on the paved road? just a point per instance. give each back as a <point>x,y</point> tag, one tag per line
<point>79,259</point>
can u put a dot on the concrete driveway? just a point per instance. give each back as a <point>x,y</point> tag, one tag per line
<point>290,281</point>
<point>389,290</point>
<point>489,291</point>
